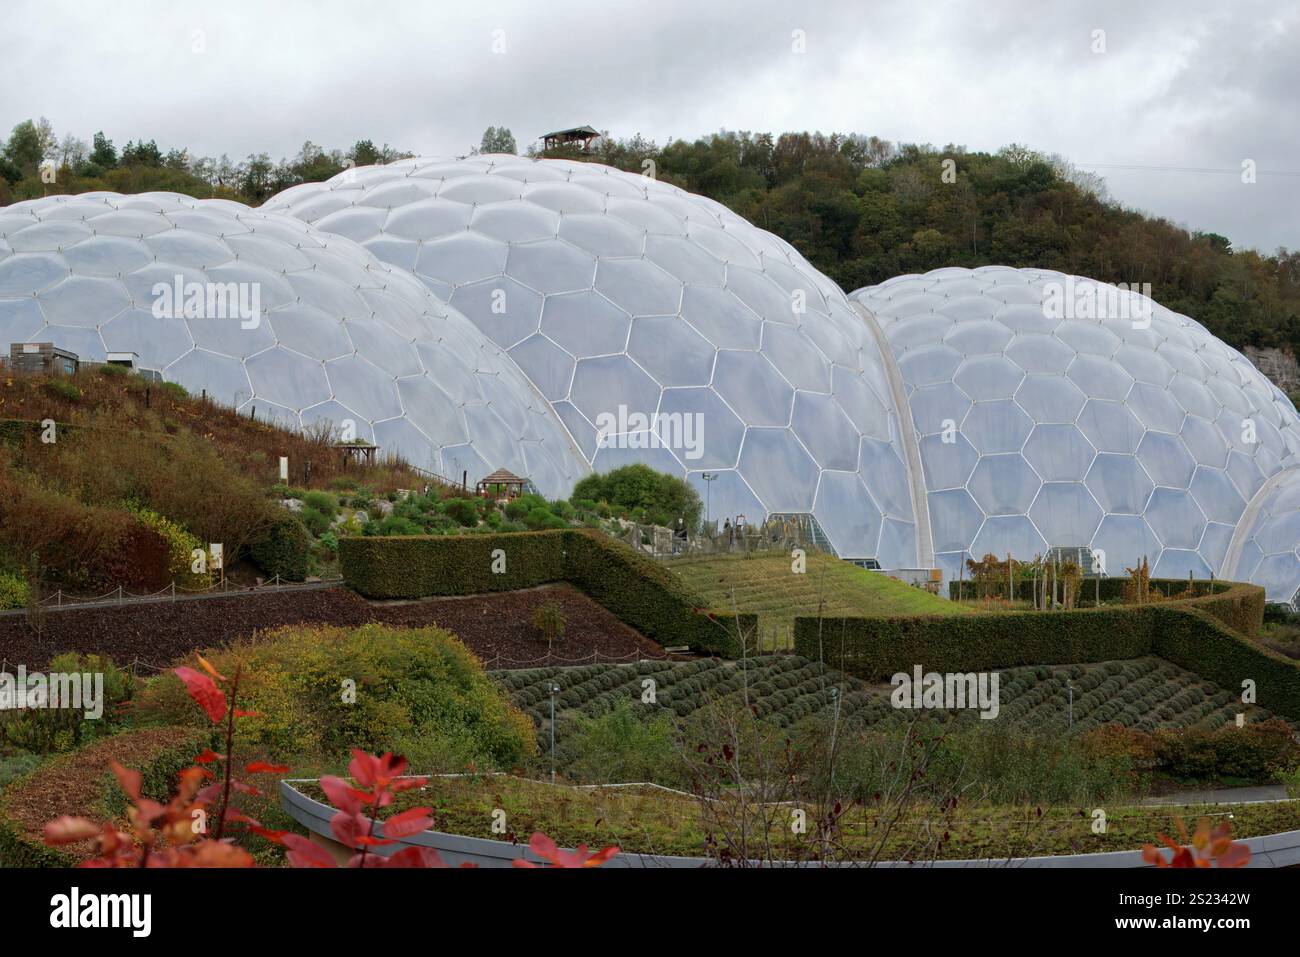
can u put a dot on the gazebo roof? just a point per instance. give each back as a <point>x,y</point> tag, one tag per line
<point>501,477</point>
<point>577,131</point>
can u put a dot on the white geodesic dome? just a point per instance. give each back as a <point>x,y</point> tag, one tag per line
<point>1118,425</point>
<point>633,305</point>
<point>1266,548</point>
<point>341,337</point>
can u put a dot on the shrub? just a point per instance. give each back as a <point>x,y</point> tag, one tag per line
<point>542,517</point>
<point>323,502</point>
<point>394,525</point>
<point>319,691</point>
<point>317,522</point>
<point>463,510</point>
<point>620,747</point>
<point>180,549</point>
<point>283,549</point>
<point>62,389</point>
<point>549,620</point>
<point>638,491</point>
<point>13,591</point>
<point>52,730</point>
<point>1257,752</point>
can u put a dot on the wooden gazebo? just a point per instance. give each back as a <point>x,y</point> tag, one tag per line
<point>579,138</point>
<point>499,482</point>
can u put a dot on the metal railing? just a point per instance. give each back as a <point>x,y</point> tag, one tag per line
<point>62,601</point>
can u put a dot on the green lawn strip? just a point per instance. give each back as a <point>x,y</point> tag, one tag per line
<point>767,586</point>
<point>649,821</point>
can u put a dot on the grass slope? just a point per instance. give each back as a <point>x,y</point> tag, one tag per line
<point>767,586</point>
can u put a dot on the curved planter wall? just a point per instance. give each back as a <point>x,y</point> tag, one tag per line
<point>1273,850</point>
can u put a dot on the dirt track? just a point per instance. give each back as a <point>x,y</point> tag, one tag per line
<point>497,627</point>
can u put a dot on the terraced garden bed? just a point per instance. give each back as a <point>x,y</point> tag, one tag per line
<point>1143,693</point>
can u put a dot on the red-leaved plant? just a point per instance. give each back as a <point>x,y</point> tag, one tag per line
<point>1211,846</point>
<point>176,834</point>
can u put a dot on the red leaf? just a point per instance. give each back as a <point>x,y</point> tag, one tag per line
<point>262,767</point>
<point>340,794</point>
<point>305,853</point>
<point>415,857</point>
<point>204,692</point>
<point>131,781</point>
<point>241,713</point>
<point>1237,855</point>
<point>410,822</point>
<point>350,829</point>
<point>207,757</point>
<point>68,829</point>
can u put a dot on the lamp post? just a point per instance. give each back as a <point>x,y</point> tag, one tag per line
<point>554,691</point>
<point>708,494</point>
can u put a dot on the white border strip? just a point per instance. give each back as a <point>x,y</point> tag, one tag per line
<point>911,448</point>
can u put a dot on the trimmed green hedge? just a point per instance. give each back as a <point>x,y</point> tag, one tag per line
<point>175,751</point>
<point>1205,635</point>
<point>283,549</point>
<point>636,589</point>
<point>1194,640</point>
<point>875,648</point>
<point>425,566</point>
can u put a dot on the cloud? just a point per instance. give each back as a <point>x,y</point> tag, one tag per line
<point>1199,85</point>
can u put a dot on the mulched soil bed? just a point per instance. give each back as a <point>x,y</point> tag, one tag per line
<point>76,783</point>
<point>498,628</point>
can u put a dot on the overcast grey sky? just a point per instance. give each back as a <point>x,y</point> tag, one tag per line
<point>1180,84</point>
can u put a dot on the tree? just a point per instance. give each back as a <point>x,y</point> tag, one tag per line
<point>73,152</point>
<point>364,153</point>
<point>103,154</point>
<point>26,148</point>
<point>498,139</point>
<point>642,494</point>
<point>142,154</point>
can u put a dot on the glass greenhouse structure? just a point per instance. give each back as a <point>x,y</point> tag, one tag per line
<point>662,327</point>
<point>553,318</point>
<point>262,311</point>
<point>1053,411</point>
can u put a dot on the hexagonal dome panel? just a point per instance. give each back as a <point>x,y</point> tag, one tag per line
<point>261,310</point>
<point>1131,430</point>
<point>666,304</point>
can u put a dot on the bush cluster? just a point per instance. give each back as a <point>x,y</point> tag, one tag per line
<point>283,549</point>
<point>320,691</point>
<point>1258,751</point>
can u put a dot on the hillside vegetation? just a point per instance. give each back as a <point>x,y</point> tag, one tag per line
<point>135,475</point>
